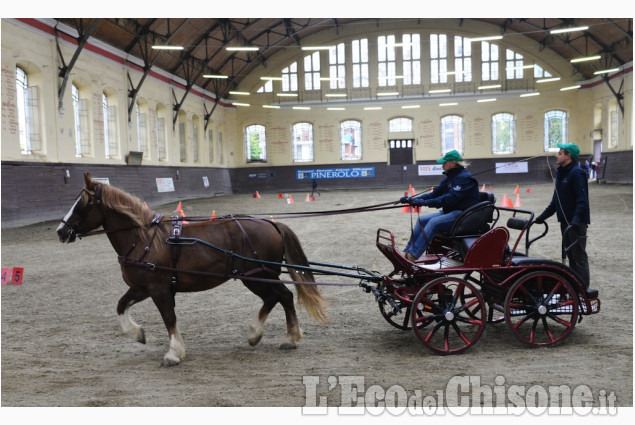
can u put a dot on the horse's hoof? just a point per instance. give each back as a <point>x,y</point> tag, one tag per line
<point>170,360</point>
<point>287,346</point>
<point>255,340</point>
<point>141,336</point>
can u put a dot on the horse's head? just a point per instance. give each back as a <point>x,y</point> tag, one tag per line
<point>85,214</point>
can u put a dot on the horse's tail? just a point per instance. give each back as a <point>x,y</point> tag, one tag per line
<point>309,295</point>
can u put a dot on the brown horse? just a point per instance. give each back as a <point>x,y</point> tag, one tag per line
<point>159,259</point>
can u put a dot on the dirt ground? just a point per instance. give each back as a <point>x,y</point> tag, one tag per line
<point>62,345</point>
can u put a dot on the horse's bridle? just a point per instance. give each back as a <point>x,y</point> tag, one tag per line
<point>94,199</point>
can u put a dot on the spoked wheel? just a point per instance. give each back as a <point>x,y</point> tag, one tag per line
<point>448,315</point>
<point>541,309</point>
<point>401,320</point>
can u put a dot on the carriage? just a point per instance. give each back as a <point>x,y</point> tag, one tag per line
<point>470,276</point>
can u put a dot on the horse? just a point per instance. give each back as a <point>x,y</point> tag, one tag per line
<point>160,258</point>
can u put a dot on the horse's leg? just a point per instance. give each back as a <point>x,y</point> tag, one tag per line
<point>129,326</point>
<point>271,294</point>
<point>164,300</point>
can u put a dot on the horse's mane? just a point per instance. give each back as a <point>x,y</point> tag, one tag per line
<point>125,203</point>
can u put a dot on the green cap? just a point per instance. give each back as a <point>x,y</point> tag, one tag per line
<point>450,156</point>
<point>572,148</point>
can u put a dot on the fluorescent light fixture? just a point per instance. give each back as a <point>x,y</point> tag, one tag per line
<point>271,106</point>
<point>493,99</point>
<point>586,59</point>
<point>493,37</point>
<point>548,80</point>
<point>440,91</point>
<point>448,104</point>
<point>389,93</point>
<point>242,49</point>
<point>389,77</point>
<point>570,88</point>
<point>335,95</point>
<point>372,108</point>
<point>335,109</point>
<point>240,104</point>
<point>287,94</point>
<point>271,78</point>
<point>331,79</point>
<point>317,47</point>
<point>411,107</point>
<point>511,68</point>
<point>530,94</point>
<point>302,108</point>
<point>240,93</point>
<point>215,76</point>
<point>493,86</point>
<point>167,47</point>
<point>561,30</point>
<point>606,71</point>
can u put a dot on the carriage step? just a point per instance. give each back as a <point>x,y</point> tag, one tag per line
<point>592,293</point>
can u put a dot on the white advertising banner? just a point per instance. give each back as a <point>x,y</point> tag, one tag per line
<point>511,167</point>
<point>430,170</point>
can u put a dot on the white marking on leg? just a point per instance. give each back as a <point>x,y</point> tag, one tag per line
<point>176,353</point>
<point>256,329</point>
<point>130,327</point>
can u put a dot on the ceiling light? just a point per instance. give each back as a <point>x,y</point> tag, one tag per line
<point>303,108</point>
<point>335,109</point>
<point>271,78</point>
<point>511,68</point>
<point>606,71</point>
<point>317,47</point>
<point>271,106</point>
<point>240,104</point>
<point>548,80</point>
<point>240,93</point>
<point>530,94</point>
<point>493,37</point>
<point>287,94</point>
<point>586,59</point>
<point>389,93</point>
<point>493,99</point>
<point>440,91</point>
<point>167,47</point>
<point>242,49</point>
<point>561,30</point>
<point>493,86</point>
<point>372,108</point>
<point>389,76</point>
<point>215,76</point>
<point>570,88</point>
<point>448,104</point>
<point>411,106</point>
<point>335,95</point>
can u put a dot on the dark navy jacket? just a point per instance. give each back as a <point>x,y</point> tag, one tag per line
<point>458,191</point>
<point>573,191</point>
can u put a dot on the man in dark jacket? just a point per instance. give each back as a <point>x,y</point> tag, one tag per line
<point>570,202</point>
<point>458,191</point>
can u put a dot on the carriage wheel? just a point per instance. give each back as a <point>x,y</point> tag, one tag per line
<point>448,315</point>
<point>541,309</point>
<point>400,321</point>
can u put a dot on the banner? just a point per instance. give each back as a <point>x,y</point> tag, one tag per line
<point>165,184</point>
<point>430,170</point>
<point>335,173</point>
<point>512,167</point>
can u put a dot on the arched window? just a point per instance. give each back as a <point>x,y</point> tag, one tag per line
<point>255,143</point>
<point>82,124</point>
<point>401,124</point>
<point>451,133</point>
<point>360,62</point>
<point>28,113</point>
<point>111,139</point>
<point>302,134</point>
<point>290,78</point>
<point>351,139</point>
<point>161,132</point>
<point>195,139</point>
<point>514,65</point>
<point>555,129</point>
<point>142,129</point>
<point>503,133</point>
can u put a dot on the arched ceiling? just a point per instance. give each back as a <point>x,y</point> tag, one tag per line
<point>204,41</point>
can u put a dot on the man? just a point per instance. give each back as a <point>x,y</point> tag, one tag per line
<point>458,191</point>
<point>571,204</point>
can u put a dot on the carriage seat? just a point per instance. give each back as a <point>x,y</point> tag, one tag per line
<point>522,260</point>
<point>475,220</point>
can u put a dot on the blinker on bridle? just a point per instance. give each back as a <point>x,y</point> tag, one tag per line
<point>93,199</point>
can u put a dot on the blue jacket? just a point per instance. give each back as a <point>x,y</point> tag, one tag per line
<point>458,191</point>
<point>573,193</point>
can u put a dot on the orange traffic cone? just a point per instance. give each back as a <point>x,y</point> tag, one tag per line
<point>290,200</point>
<point>213,215</point>
<point>271,218</point>
<point>483,188</point>
<point>313,199</point>
<point>504,200</point>
<point>256,195</point>
<point>280,196</point>
<point>510,204</point>
<point>518,203</point>
<point>308,198</point>
<point>179,209</point>
<point>411,191</point>
<point>516,190</point>
<point>491,189</point>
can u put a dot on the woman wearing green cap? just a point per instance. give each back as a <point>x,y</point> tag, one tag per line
<point>570,202</point>
<point>458,191</point>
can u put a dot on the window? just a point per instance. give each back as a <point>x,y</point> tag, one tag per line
<point>489,61</point>
<point>351,139</point>
<point>28,114</point>
<point>182,139</point>
<point>360,63</point>
<point>302,134</point>
<point>290,77</point>
<point>110,127</point>
<point>221,158</point>
<point>555,129</point>
<point>503,133</point>
<point>411,59</point>
<point>540,73</point>
<point>256,143</point>
<point>142,131</point>
<point>462,59</point>
<point>210,141</point>
<point>266,88</point>
<point>451,134</point>
<point>337,73</point>
<point>312,71</point>
<point>195,147</point>
<point>82,132</point>
<point>514,65</point>
<point>386,64</point>
<point>613,125</point>
<point>438,58</point>
<point>161,139</point>
<point>397,125</point>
